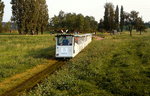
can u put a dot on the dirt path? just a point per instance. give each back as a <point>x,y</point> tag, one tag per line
<point>31,82</point>
<point>98,38</point>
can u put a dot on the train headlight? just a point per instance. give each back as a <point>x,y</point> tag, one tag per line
<point>57,54</point>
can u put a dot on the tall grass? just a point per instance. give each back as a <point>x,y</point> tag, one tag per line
<point>117,66</point>
<point>19,53</point>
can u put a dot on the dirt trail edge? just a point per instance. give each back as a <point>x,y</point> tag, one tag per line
<point>31,82</point>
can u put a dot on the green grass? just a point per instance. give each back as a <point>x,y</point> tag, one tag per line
<point>19,53</point>
<point>8,33</point>
<point>116,66</point>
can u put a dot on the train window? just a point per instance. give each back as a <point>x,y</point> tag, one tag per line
<point>64,40</point>
<point>76,39</point>
<point>80,41</point>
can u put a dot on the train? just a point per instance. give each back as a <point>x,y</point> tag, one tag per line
<point>69,45</point>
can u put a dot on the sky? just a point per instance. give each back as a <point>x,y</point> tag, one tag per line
<point>93,8</point>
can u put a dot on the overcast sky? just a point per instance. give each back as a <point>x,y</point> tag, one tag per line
<point>93,8</point>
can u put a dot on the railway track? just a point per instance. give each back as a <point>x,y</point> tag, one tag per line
<point>31,82</point>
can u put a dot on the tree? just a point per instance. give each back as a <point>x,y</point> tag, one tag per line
<point>106,19</point>
<point>101,25</point>
<point>1,14</point>
<point>93,24</point>
<point>30,16</point>
<point>117,18</point>
<point>73,22</point>
<point>130,20</point>
<point>109,17</point>
<point>140,25</point>
<point>90,25</point>
<point>43,15</point>
<point>133,18</point>
<point>7,27</point>
<point>79,22</point>
<point>147,24</point>
<point>122,19</point>
<point>18,14</point>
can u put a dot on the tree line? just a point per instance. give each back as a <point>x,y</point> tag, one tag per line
<point>31,17</point>
<point>73,22</point>
<point>128,21</point>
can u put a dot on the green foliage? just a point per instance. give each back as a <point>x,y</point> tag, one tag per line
<point>1,13</point>
<point>19,53</point>
<point>140,25</point>
<point>109,17</point>
<point>31,16</point>
<point>133,21</point>
<point>121,18</point>
<point>106,19</point>
<point>117,18</point>
<point>43,16</point>
<point>6,27</point>
<point>118,66</point>
<point>101,26</point>
<point>73,22</point>
<point>128,20</point>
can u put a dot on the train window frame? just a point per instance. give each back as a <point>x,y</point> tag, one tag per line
<point>60,39</point>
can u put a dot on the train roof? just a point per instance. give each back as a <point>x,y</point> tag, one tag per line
<point>74,35</point>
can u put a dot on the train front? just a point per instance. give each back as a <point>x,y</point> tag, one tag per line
<point>64,46</point>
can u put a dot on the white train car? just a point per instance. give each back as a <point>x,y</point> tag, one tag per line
<point>68,46</point>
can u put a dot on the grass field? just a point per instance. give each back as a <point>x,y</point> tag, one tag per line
<point>19,54</point>
<point>116,66</point>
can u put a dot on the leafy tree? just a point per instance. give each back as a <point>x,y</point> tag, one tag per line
<point>43,15</point>
<point>1,14</point>
<point>106,19</point>
<point>93,24</point>
<point>131,20</point>
<point>90,25</point>
<point>73,22</point>
<point>101,25</point>
<point>117,18</point>
<point>70,21</point>
<point>128,22</point>
<point>7,27</point>
<point>140,25</point>
<point>79,22</point>
<point>18,12</point>
<point>147,24</point>
<point>109,17</point>
<point>121,19</point>
<point>31,16</point>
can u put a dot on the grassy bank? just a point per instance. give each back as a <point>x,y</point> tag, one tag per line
<point>19,54</point>
<point>116,66</point>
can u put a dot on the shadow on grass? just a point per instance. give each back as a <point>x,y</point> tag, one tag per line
<point>45,53</point>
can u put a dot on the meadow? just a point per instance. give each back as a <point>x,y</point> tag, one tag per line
<point>23,56</point>
<point>116,66</point>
